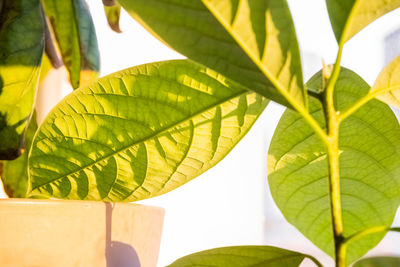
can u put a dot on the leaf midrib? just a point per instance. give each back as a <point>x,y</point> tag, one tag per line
<point>162,130</point>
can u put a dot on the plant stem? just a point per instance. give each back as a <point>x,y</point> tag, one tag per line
<point>332,128</point>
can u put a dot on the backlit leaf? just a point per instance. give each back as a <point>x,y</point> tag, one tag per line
<point>250,42</point>
<point>243,256</point>
<point>21,49</point>
<point>140,132</point>
<point>387,85</point>
<point>369,155</point>
<point>113,13</point>
<point>348,17</point>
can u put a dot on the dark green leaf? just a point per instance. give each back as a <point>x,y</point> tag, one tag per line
<point>21,49</point>
<point>14,173</point>
<point>140,132</point>
<point>76,37</point>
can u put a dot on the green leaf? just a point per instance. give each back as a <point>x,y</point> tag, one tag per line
<point>243,256</point>
<point>21,49</point>
<point>76,37</point>
<point>140,132</point>
<point>113,13</point>
<point>378,262</point>
<point>251,42</point>
<point>369,146</point>
<point>348,17</point>
<point>14,173</point>
<point>387,85</point>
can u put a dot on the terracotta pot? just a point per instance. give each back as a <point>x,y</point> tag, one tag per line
<point>60,233</point>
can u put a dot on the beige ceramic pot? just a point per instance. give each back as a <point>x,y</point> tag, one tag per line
<point>49,233</point>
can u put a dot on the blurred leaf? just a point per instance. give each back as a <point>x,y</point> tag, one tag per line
<point>76,37</point>
<point>14,174</point>
<point>140,132</point>
<point>348,17</point>
<point>243,256</point>
<point>378,262</point>
<point>369,146</point>
<point>21,49</point>
<point>251,42</point>
<point>113,14</point>
<point>387,85</point>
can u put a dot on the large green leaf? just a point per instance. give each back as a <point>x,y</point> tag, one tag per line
<point>243,256</point>
<point>140,132</point>
<point>369,146</point>
<point>76,37</point>
<point>21,49</point>
<point>378,262</point>
<point>14,173</point>
<point>348,17</point>
<point>387,86</point>
<point>251,42</point>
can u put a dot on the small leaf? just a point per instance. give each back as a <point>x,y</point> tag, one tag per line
<point>76,37</point>
<point>378,262</point>
<point>251,42</point>
<point>348,17</point>
<point>113,13</point>
<point>14,173</point>
<point>387,85</point>
<point>140,132</point>
<point>21,49</point>
<point>243,256</point>
<point>369,149</point>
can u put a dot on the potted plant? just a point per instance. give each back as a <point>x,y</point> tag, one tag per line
<point>333,162</point>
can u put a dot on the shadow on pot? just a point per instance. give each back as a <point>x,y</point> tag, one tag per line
<point>118,254</point>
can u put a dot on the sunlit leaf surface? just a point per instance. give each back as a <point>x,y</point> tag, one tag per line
<point>140,132</point>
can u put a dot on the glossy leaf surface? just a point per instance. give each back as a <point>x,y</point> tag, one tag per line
<point>21,49</point>
<point>369,144</point>
<point>348,17</point>
<point>243,256</point>
<point>14,173</point>
<point>76,37</point>
<point>378,262</point>
<point>250,42</point>
<point>387,85</point>
<point>140,132</point>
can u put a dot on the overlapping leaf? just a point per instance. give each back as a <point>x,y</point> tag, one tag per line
<point>140,132</point>
<point>243,256</point>
<point>76,37</point>
<point>21,49</point>
<point>369,146</point>
<point>348,17</point>
<point>14,173</point>
<point>250,42</point>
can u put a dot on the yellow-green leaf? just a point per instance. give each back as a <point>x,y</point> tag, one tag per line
<point>113,13</point>
<point>140,132</point>
<point>387,86</point>
<point>21,49</point>
<point>348,17</point>
<point>251,42</point>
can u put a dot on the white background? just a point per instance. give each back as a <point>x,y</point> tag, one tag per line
<point>231,204</point>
